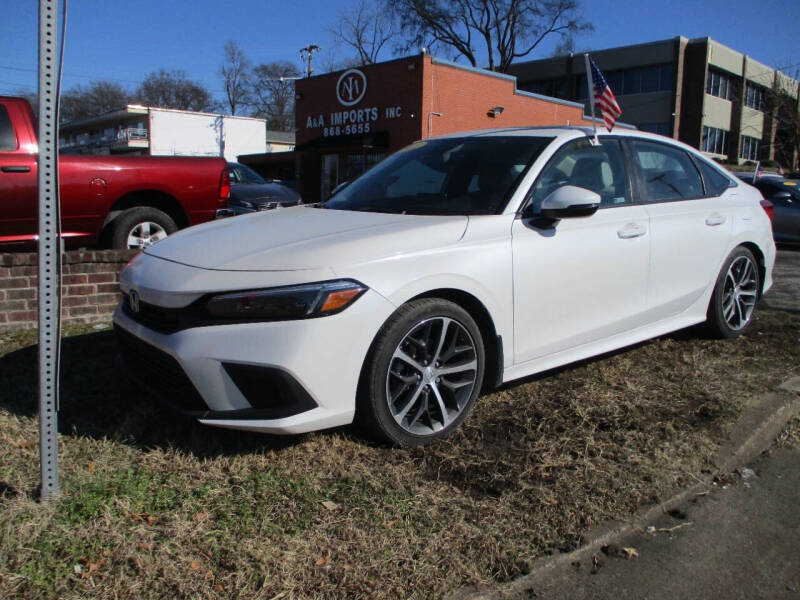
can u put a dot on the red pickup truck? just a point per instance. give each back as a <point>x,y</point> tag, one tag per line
<point>115,201</point>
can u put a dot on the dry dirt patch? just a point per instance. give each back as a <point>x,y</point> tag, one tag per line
<point>156,506</point>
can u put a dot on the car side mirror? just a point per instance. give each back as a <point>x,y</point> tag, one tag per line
<point>568,202</point>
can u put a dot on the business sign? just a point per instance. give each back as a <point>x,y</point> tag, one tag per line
<point>351,87</point>
<point>350,90</point>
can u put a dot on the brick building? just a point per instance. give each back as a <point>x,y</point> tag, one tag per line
<point>348,120</point>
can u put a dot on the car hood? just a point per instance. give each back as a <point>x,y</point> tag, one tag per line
<point>304,237</point>
<point>262,191</point>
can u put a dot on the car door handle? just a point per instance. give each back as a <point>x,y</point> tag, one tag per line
<point>715,219</point>
<point>631,230</point>
<point>15,169</point>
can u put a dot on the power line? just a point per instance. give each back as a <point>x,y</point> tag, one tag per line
<point>93,78</point>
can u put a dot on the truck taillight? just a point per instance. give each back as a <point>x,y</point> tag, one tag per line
<point>225,185</point>
<point>768,208</point>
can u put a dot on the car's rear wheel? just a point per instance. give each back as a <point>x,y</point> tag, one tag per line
<point>422,374</point>
<point>141,227</point>
<point>736,292</point>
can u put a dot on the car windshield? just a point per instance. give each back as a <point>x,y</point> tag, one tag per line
<point>465,176</point>
<point>241,174</point>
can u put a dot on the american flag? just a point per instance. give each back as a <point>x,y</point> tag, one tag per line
<point>603,97</point>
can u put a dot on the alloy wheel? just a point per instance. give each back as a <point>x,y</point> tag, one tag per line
<point>431,376</point>
<point>144,235</point>
<point>740,293</point>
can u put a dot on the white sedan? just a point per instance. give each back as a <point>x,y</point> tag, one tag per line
<point>456,264</point>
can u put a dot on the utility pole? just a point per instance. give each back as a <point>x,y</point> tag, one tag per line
<point>309,51</point>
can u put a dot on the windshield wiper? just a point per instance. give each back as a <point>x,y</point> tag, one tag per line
<point>379,209</point>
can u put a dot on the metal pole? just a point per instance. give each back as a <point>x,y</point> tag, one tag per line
<point>590,83</point>
<point>48,298</point>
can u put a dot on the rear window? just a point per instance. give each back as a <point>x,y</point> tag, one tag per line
<point>8,140</point>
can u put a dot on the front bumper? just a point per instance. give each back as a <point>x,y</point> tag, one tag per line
<point>203,370</point>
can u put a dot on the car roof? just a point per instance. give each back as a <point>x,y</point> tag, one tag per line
<point>566,132</point>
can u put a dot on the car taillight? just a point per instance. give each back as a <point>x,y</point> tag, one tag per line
<point>224,185</point>
<point>768,208</point>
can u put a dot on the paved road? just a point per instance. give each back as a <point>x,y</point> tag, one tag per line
<point>740,541</point>
<point>785,293</point>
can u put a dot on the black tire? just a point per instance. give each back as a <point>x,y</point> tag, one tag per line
<point>126,224</point>
<point>434,398</point>
<point>736,292</point>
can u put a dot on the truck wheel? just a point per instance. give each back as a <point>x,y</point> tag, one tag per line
<point>140,227</point>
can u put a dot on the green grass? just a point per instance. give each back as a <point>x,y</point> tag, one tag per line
<point>157,506</point>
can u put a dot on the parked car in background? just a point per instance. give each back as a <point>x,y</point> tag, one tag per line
<point>457,263</point>
<point>118,201</point>
<point>784,195</point>
<point>250,192</point>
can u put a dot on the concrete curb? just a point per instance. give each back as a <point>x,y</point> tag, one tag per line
<point>758,426</point>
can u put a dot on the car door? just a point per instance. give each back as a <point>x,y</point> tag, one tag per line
<point>18,197</point>
<point>581,279</point>
<point>690,229</point>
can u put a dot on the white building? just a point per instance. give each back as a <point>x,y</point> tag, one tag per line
<point>154,131</point>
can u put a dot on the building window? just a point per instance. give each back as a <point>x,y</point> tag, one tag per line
<point>714,140</point>
<point>555,88</point>
<point>719,84</point>
<point>659,128</point>
<point>750,147</point>
<point>639,80</point>
<point>754,97</point>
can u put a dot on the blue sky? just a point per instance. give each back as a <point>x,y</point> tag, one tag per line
<point>123,41</point>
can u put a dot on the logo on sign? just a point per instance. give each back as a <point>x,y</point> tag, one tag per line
<point>351,87</point>
<point>133,302</point>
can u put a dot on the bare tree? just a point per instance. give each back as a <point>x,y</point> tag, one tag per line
<point>782,100</point>
<point>235,73</point>
<point>82,102</point>
<point>272,94</point>
<point>173,89</point>
<point>505,29</point>
<point>366,28</point>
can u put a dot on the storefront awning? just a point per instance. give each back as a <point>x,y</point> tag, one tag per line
<point>378,140</point>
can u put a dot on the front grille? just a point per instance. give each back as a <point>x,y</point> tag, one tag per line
<point>164,320</point>
<point>159,372</point>
<point>272,204</point>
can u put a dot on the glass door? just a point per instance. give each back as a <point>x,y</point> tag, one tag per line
<point>330,175</point>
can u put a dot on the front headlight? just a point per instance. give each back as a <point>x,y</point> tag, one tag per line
<point>243,203</point>
<point>283,303</point>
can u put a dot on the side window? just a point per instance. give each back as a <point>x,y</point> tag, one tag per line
<point>668,172</point>
<point>716,182</point>
<point>8,141</point>
<point>579,163</point>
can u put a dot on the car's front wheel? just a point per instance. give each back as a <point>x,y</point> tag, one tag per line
<point>736,292</point>
<point>423,373</point>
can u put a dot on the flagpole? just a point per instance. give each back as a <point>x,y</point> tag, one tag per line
<point>590,83</point>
